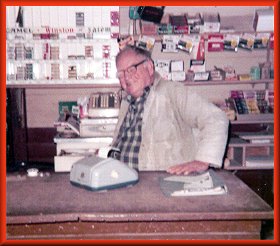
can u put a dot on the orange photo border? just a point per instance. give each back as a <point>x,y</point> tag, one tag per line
<point>4,3</point>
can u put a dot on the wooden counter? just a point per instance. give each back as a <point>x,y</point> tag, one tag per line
<point>50,207</point>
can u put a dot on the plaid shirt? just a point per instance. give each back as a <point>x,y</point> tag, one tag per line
<point>129,137</point>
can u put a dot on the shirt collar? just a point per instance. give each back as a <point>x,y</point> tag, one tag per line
<point>133,100</point>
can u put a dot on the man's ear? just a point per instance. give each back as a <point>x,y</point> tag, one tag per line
<point>150,65</point>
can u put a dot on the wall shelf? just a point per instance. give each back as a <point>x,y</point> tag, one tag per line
<point>229,82</point>
<point>110,83</point>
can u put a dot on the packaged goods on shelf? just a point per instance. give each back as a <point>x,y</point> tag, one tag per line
<point>215,42</point>
<point>169,43</point>
<point>195,23</point>
<point>247,41</point>
<point>251,104</point>
<point>211,22</point>
<point>148,28</point>
<point>179,24</point>
<point>146,42</point>
<point>231,42</point>
<point>261,40</point>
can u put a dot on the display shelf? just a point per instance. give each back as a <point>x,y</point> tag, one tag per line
<point>228,82</point>
<point>245,144</point>
<point>61,40</point>
<point>240,122</point>
<point>240,152</point>
<point>112,83</point>
<point>237,166</point>
<point>61,61</point>
<point>27,83</point>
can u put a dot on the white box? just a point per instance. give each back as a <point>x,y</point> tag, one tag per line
<point>104,127</point>
<point>103,112</point>
<point>211,22</point>
<point>197,66</point>
<point>201,76</point>
<point>264,20</point>
<point>90,144</point>
<point>177,66</point>
<point>169,43</point>
<point>162,66</point>
<point>178,76</point>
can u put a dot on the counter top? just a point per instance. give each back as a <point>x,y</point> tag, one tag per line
<point>52,198</point>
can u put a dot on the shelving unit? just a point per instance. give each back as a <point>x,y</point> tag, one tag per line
<point>241,151</point>
<point>231,82</point>
<point>251,122</point>
<point>41,84</point>
<point>61,61</point>
<point>53,40</point>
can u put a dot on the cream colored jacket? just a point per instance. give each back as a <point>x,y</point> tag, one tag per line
<point>178,126</point>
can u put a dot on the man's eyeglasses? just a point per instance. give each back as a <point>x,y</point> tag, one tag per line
<point>130,70</point>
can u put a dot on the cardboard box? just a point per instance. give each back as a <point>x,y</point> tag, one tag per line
<point>264,20</point>
<point>197,66</point>
<point>177,66</point>
<point>66,107</point>
<point>162,65</point>
<point>211,22</point>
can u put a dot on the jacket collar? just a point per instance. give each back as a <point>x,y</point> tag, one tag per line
<point>156,80</point>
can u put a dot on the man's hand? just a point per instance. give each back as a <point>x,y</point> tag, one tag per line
<point>188,167</point>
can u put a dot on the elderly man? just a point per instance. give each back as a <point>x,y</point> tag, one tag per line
<point>163,125</point>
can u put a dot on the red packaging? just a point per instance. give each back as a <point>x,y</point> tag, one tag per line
<point>215,42</point>
<point>271,41</point>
